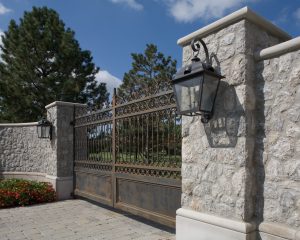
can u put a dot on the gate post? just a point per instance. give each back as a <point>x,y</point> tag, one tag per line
<point>220,159</point>
<point>59,166</point>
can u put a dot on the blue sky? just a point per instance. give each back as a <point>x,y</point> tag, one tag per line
<point>112,29</point>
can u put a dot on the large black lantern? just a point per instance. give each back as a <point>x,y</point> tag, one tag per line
<point>44,128</point>
<point>196,86</point>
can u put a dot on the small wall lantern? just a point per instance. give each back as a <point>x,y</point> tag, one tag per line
<point>44,129</point>
<point>196,86</point>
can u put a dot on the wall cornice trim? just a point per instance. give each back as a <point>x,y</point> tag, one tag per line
<point>60,103</point>
<point>279,49</point>
<point>244,13</point>
<point>29,124</point>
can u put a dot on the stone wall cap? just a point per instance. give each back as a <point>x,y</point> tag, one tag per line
<point>243,13</point>
<point>279,49</point>
<point>279,230</point>
<point>29,124</point>
<point>243,227</point>
<point>24,173</point>
<point>60,103</point>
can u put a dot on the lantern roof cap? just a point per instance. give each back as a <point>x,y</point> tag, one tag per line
<point>44,121</point>
<point>195,67</point>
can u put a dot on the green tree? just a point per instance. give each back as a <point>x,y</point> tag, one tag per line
<point>150,70</point>
<point>147,139</point>
<point>42,62</point>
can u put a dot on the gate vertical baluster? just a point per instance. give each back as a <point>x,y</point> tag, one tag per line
<point>152,139</point>
<point>114,186</point>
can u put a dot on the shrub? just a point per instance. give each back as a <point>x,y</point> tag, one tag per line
<point>19,192</point>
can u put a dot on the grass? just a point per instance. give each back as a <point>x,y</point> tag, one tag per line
<point>161,159</point>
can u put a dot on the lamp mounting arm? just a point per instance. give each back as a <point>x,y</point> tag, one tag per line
<point>195,45</point>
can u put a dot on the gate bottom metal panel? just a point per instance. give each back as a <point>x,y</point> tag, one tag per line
<point>153,201</point>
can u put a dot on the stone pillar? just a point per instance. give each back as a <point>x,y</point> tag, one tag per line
<point>218,167</point>
<point>59,166</point>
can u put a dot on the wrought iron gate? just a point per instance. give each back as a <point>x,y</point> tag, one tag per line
<point>128,155</point>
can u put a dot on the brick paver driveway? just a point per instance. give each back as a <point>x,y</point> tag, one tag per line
<point>74,219</point>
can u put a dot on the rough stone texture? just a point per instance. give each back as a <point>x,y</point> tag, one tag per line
<point>64,133</point>
<point>22,151</point>
<point>218,169</point>
<point>278,138</point>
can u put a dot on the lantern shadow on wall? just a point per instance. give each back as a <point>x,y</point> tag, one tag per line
<point>228,122</point>
<point>199,91</point>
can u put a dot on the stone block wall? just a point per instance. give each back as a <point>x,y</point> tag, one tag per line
<point>62,115</point>
<point>218,169</point>
<point>24,155</point>
<point>278,166</point>
<point>240,171</point>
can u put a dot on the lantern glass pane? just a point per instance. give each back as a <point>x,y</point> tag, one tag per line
<point>39,130</point>
<point>188,94</point>
<point>46,132</point>
<point>210,86</point>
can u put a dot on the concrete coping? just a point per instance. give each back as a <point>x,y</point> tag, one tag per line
<point>243,13</point>
<point>279,49</point>
<point>24,174</point>
<point>279,230</point>
<point>29,124</point>
<point>234,225</point>
<point>60,103</point>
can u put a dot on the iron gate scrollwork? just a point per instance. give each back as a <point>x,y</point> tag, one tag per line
<point>128,155</point>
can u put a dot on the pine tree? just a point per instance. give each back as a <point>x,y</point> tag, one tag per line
<point>42,62</point>
<point>150,70</point>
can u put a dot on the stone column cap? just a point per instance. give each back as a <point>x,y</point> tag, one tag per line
<point>279,49</point>
<point>243,13</point>
<point>60,103</point>
<point>19,124</point>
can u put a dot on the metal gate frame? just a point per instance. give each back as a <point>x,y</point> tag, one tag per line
<point>146,183</point>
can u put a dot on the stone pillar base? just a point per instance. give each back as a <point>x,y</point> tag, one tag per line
<point>193,225</point>
<point>62,185</point>
<point>275,231</point>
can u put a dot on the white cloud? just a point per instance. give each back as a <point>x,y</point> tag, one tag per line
<point>191,10</point>
<point>297,14</point>
<point>4,9</point>
<point>130,3</point>
<point>110,80</point>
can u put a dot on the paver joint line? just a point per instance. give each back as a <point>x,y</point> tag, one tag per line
<point>59,220</point>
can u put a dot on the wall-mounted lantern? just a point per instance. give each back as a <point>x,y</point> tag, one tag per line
<point>44,129</point>
<point>196,86</point>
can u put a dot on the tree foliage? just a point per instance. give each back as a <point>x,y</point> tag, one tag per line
<point>153,138</point>
<point>42,62</point>
<point>149,70</point>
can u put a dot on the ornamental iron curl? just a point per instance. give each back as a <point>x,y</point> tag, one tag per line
<point>147,134</point>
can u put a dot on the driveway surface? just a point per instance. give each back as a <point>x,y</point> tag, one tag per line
<point>74,219</point>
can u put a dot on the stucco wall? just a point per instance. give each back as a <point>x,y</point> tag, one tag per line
<point>22,151</point>
<point>24,155</point>
<point>278,102</point>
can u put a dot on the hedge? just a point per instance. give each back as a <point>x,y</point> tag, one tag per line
<point>20,192</point>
